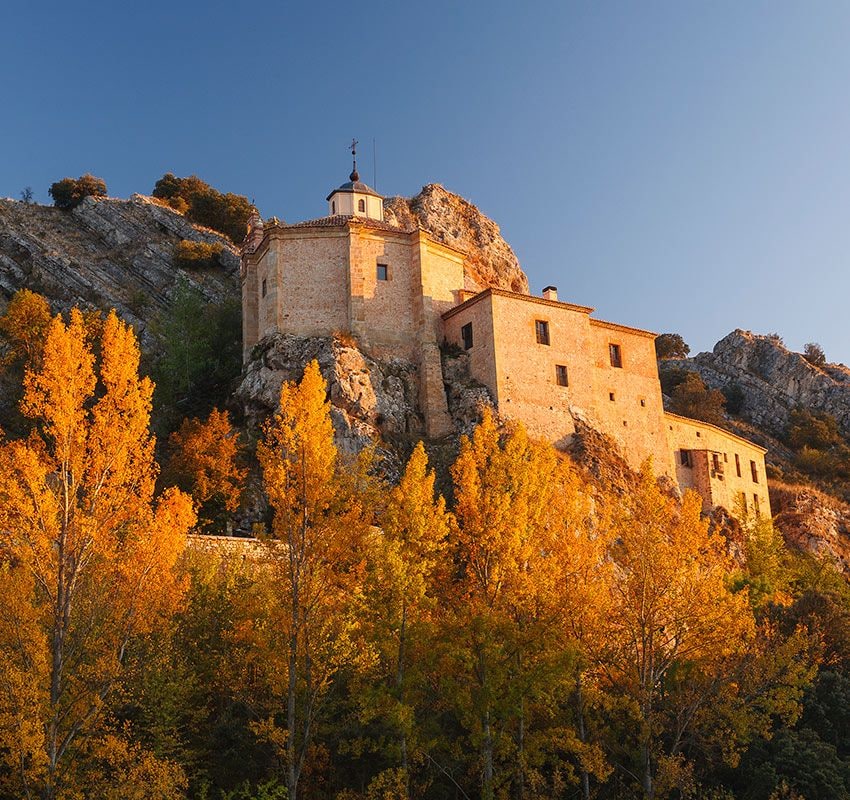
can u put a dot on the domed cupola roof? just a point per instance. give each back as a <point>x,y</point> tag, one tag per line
<point>355,198</point>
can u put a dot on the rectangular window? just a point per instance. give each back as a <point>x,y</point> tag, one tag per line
<point>755,472</point>
<point>611,396</point>
<point>561,375</point>
<point>685,458</point>
<point>264,287</point>
<point>756,505</point>
<point>738,464</point>
<point>616,355</point>
<point>642,403</point>
<point>541,328</point>
<point>383,272</point>
<point>744,503</point>
<point>466,335</point>
<point>715,461</point>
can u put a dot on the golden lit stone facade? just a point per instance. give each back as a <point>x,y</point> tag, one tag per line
<point>400,293</point>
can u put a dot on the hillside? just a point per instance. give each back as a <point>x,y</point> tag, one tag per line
<point>107,253</point>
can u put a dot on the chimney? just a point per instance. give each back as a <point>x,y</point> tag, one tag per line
<point>550,293</point>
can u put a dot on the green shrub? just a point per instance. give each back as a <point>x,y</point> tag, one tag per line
<point>671,345</point>
<point>69,192</point>
<point>813,353</point>
<point>691,398</point>
<point>814,429</point>
<point>735,399</point>
<point>225,213</point>
<point>197,255</point>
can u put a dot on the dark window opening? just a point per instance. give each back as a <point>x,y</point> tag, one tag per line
<point>611,396</point>
<point>642,403</point>
<point>333,206</point>
<point>754,470</point>
<point>466,335</point>
<point>738,464</point>
<point>685,458</point>
<point>744,502</point>
<point>616,355</point>
<point>383,272</point>
<point>361,205</point>
<point>561,375</point>
<point>264,287</point>
<point>756,505</point>
<point>541,328</point>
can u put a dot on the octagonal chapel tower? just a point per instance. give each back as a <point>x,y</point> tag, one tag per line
<point>351,272</point>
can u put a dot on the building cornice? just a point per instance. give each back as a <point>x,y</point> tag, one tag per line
<point>697,423</point>
<point>615,326</point>
<point>491,292</point>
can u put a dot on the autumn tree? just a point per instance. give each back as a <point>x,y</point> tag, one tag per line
<point>406,560</point>
<point>87,549</point>
<point>504,638</point>
<point>23,328</point>
<point>316,548</point>
<point>204,462</point>
<point>673,620</point>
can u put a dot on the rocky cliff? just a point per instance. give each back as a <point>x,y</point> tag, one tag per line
<point>106,253</point>
<point>772,379</point>
<point>457,222</point>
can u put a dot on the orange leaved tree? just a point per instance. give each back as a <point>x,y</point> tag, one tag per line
<point>87,552</point>
<point>317,552</point>
<point>205,462</point>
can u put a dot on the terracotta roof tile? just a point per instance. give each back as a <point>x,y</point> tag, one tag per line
<point>339,220</point>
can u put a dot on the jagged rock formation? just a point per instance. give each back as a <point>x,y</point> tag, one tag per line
<point>773,379</point>
<point>373,401</point>
<point>813,522</point>
<point>457,222</point>
<point>106,253</point>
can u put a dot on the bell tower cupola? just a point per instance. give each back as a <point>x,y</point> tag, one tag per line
<point>354,198</point>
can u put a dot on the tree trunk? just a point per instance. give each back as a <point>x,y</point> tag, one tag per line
<point>582,735</point>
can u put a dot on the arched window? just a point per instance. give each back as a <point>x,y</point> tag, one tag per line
<point>361,205</point>
<point>333,206</point>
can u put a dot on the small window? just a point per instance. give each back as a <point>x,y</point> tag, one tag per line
<point>541,328</point>
<point>756,505</point>
<point>744,502</point>
<point>333,206</point>
<point>616,355</point>
<point>561,375</point>
<point>642,403</point>
<point>715,462</point>
<point>466,335</point>
<point>383,272</point>
<point>611,396</point>
<point>264,287</point>
<point>361,205</point>
<point>755,472</point>
<point>738,464</point>
<point>685,458</point>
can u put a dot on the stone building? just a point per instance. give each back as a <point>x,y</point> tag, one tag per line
<point>401,293</point>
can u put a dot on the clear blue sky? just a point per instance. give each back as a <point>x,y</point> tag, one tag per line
<point>679,166</point>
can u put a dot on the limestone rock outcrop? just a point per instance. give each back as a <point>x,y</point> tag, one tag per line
<point>813,522</point>
<point>491,262</point>
<point>772,379</point>
<point>106,253</point>
<point>371,400</point>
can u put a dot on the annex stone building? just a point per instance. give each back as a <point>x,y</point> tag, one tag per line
<point>400,293</point>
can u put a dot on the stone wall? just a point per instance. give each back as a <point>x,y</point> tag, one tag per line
<point>726,480</point>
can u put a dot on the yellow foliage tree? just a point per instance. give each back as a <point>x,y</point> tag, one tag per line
<point>317,547</point>
<point>205,462</point>
<point>504,599</point>
<point>24,326</point>
<point>671,612</point>
<point>88,551</point>
<point>406,560</point>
